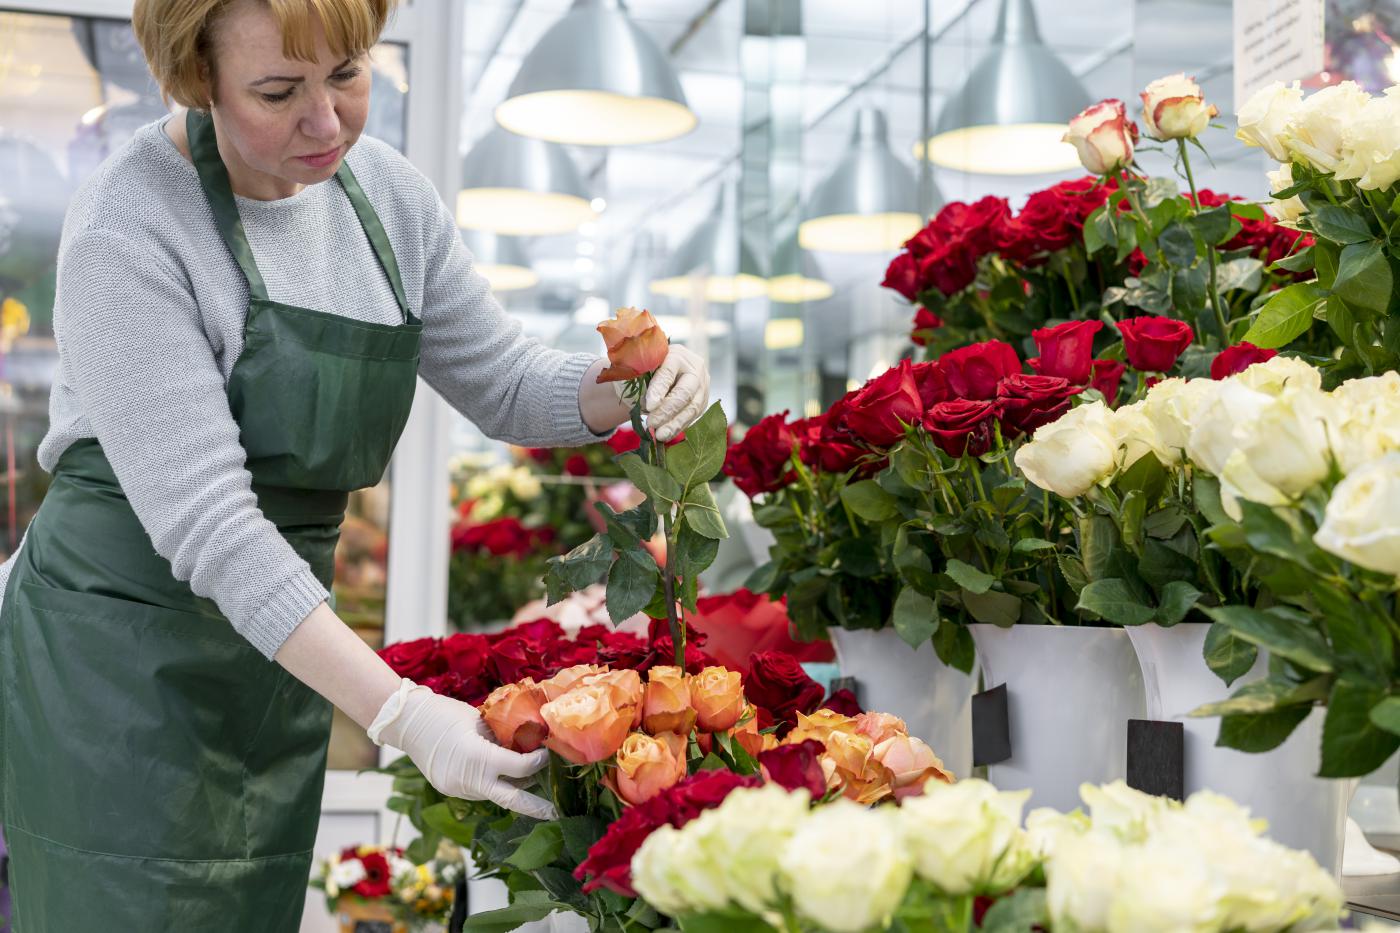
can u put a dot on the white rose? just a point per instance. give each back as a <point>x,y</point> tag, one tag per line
<point>1289,209</point>
<point>1264,119</point>
<point>1104,137</point>
<point>740,842</point>
<point>1371,144</point>
<point>1318,129</point>
<point>1135,434</point>
<point>1171,405</point>
<point>1288,443</point>
<point>846,868</point>
<point>1216,430</point>
<point>656,871</point>
<point>1239,482</point>
<point>1046,827</point>
<point>1362,521</point>
<point>1369,420</point>
<point>1280,374</point>
<point>1174,108</point>
<point>966,838</point>
<point>1116,808</point>
<point>1068,456</point>
<point>1081,875</point>
<point>1164,887</point>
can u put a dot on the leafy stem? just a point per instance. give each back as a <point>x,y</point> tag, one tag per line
<point>1210,247</point>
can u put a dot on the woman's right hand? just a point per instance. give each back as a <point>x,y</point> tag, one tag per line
<point>453,747</point>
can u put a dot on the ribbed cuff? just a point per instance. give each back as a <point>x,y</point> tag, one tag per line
<point>285,609</point>
<point>569,427</point>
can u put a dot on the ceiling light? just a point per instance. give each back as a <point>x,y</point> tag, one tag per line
<point>502,260</point>
<point>714,258</point>
<point>522,187</point>
<point>870,201</point>
<point>783,333</point>
<point>797,277</point>
<point>596,79</point>
<point>1010,114</point>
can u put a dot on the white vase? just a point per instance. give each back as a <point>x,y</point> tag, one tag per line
<point>1070,693</point>
<point>934,700</point>
<point>1303,811</point>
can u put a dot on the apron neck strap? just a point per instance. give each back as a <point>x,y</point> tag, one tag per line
<point>213,177</point>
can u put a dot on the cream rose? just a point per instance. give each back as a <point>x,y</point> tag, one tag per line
<point>1317,132</point>
<point>1265,118</point>
<point>1104,137</point>
<point>1175,108</point>
<point>1171,405</point>
<point>1279,375</point>
<point>845,867</point>
<point>1216,429</point>
<point>1362,521</point>
<point>1371,144</point>
<point>1136,435</point>
<point>1068,456</point>
<point>966,838</point>
<point>1289,209</point>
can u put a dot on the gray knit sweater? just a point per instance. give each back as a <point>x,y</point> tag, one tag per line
<point>149,319</point>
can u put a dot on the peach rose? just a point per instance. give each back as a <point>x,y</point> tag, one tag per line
<point>585,725</point>
<point>864,778</point>
<point>647,765</point>
<point>636,345</point>
<point>911,764</point>
<point>880,726</point>
<point>513,713</point>
<point>666,706</point>
<point>1104,137</point>
<point>820,725</point>
<point>717,695</point>
<point>569,677</point>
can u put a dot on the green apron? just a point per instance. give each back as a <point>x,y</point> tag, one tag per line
<point>156,772</point>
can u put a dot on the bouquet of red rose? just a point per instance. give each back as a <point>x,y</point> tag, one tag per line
<point>494,567</point>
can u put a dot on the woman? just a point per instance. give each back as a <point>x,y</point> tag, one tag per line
<point>245,299</point>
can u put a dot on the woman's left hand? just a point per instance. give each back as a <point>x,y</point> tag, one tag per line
<point>678,394</point>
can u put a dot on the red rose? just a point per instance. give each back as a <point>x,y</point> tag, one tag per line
<point>932,387</point>
<point>843,701</point>
<point>880,410</point>
<point>962,426</point>
<point>471,690</point>
<point>924,320</point>
<point>1066,351</point>
<point>466,653</point>
<point>778,683</point>
<point>515,658</point>
<point>742,624</point>
<point>1108,376</point>
<point>376,882</point>
<point>1238,358</point>
<point>1051,220</point>
<point>796,767</point>
<point>1027,402</point>
<point>974,371</point>
<point>414,659</point>
<point>623,441</point>
<point>761,462</point>
<point>577,465</point>
<point>1153,344</point>
<point>903,276</point>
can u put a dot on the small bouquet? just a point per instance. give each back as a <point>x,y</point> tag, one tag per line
<point>424,893</point>
<point>358,881</point>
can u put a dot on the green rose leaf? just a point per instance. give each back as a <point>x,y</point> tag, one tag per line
<point>1286,316</point>
<point>1213,224</point>
<point>583,566</point>
<point>541,847</point>
<point>1260,732</point>
<point>439,817</point>
<point>1176,601</point>
<point>702,514</point>
<point>694,552</point>
<point>1364,278</point>
<point>1301,261</point>
<point>915,617</point>
<point>1178,245</point>
<point>1386,715</point>
<point>868,500</point>
<point>992,607</point>
<point>1230,657</point>
<point>655,482</point>
<point>1113,600</point>
<point>969,577</point>
<point>527,907</point>
<point>699,457</point>
<point>954,646</point>
<point>1272,629</point>
<point>1352,745</point>
<point>1023,910</point>
<point>1339,224</point>
<point>1244,273</point>
<point>631,584</point>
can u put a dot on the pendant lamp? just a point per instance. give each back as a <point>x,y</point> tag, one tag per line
<point>870,201</point>
<point>596,79</point>
<point>716,250</point>
<point>1010,114</point>
<point>501,259</point>
<point>806,284</point>
<point>521,187</point>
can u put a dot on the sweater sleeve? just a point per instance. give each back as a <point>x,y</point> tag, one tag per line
<point>136,355</point>
<point>474,354</point>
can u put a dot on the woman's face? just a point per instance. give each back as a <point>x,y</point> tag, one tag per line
<point>282,123</point>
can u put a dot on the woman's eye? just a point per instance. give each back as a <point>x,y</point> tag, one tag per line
<point>277,98</point>
<point>347,74</point>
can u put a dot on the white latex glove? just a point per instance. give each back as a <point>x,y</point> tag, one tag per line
<point>678,394</point>
<point>450,744</point>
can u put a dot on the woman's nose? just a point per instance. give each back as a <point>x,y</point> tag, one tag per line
<point>320,120</point>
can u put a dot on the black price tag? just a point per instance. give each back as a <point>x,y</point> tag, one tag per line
<point>373,926</point>
<point>991,727</point>
<point>1156,760</point>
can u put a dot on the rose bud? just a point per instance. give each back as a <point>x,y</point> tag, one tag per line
<point>1104,137</point>
<point>1153,344</point>
<point>717,695</point>
<point>666,706</point>
<point>1066,351</point>
<point>911,763</point>
<point>880,726</point>
<point>647,765</point>
<point>570,677</point>
<point>513,714</point>
<point>584,724</point>
<point>795,767</point>
<point>1175,108</point>
<point>636,345</point>
<point>1237,359</point>
<point>1108,377</point>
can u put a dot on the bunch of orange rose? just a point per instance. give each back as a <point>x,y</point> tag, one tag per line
<point>867,758</point>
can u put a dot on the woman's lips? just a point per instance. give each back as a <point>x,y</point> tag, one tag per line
<point>322,160</point>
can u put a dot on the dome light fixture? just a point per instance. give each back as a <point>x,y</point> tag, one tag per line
<point>806,284</point>
<point>521,187</point>
<point>716,251</point>
<point>501,260</point>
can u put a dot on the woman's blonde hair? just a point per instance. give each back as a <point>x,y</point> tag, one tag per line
<point>177,36</point>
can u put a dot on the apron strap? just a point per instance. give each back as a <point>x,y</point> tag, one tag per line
<point>213,176</point>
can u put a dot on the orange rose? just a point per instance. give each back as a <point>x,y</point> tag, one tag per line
<point>513,713</point>
<point>569,677</point>
<point>863,777</point>
<point>647,765</point>
<point>717,695</point>
<point>746,733</point>
<point>636,345</point>
<point>666,707</point>
<point>585,725</point>
<point>911,764</point>
<point>820,725</point>
<point>880,726</point>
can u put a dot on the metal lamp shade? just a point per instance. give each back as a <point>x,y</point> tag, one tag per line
<point>521,187</point>
<point>596,79</point>
<point>1009,117</point>
<point>715,250</point>
<point>870,201</point>
<point>501,260</point>
<point>804,285</point>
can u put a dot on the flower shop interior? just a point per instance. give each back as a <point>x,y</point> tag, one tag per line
<point>1037,565</point>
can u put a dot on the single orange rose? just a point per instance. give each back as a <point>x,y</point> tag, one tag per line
<point>636,345</point>
<point>647,765</point>
<point>513,713</point>
<point>717,695</point>
<point>819,726</point>
<point>666,707</point>
<point>880,726</point>
<point>911,764</point>
<point>864,778</point>
<point>570,677</point>
<point>585,726</point>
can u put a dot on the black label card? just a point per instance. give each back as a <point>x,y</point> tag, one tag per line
<point>373,926</point>
<point>1156,760</point>
<point>991,727</point>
